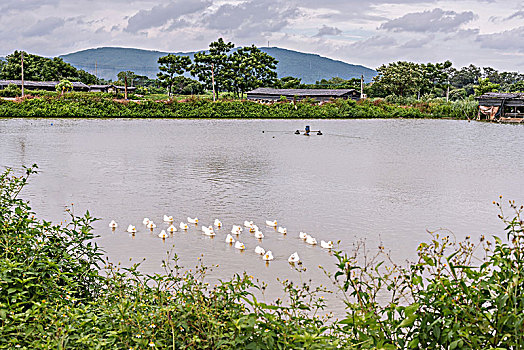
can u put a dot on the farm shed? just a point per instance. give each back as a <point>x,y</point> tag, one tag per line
<point>41,85</point>
<point>496,106</point>
<point>267,94</point>
<point>111,88</point>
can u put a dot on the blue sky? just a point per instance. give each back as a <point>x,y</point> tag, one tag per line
<point>482,32</point>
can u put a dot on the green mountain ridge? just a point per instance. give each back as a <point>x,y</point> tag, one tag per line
<point>106,62</point>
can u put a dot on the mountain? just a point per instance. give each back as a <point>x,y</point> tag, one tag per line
<point>106,62</point>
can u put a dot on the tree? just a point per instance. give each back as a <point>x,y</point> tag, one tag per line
<point>127,75</point>
<point>211,67</point>
<point>287,83</point>
<point>250,68</point>
<point>400,79</point>
<point>172,66</point>
<point>187,86</point>
<point>485,86</point>
<point>64,86</point>
<point>39,68</point>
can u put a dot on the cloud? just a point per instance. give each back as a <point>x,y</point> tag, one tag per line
<point>252,18</point>
<point>433,21</point>
<point>518,14</point>
<point>162,14</point>
<point>44,26</point>
<point>508,40</point>
<point>325,30</point>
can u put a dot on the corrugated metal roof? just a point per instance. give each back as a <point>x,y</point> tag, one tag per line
<point>48,84</point>
<point>501,95</point>
<point>301,92</point>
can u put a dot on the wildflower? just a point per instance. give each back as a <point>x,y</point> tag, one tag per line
<point>138,336</point>
<point>151,344</point>
<point>152,325</point>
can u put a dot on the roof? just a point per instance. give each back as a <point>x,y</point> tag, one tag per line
<point>101,86</point>
<point>76,84</point>
<point>301,92</point>
<point>502,95</point>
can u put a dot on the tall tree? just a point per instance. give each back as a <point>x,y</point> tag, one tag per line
<point>172,66</point>
<point>400,79</point>
<point>211,67</point>
<point>250,68</point>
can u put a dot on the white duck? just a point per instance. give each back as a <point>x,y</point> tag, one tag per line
<point>230,239</point>
<point>268,256</point>
<point>218,223</point>
<point>168,218</point>
<point>146,221</point>
<point>259,250</point>
<point>192,221</point>
<point>311,240</point>
<point>236,230</point>
<point>113,224</point>
<point>240,245</point>
<point>151,225</point>
<point>183,226</point>
<point>326,245</point>
<point>259,234</point>
<point>293,258</point>
<point>163,234</point>
<point>171,229</point>
<point>248,224</point>
<point>253,228</point>
<point>208,231</point>
<point>131,229</point>
<point>271,223</point>
<point>303,235</point>
<point>282,230</point>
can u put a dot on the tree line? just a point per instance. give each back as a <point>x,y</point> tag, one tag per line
<point>224,68</point>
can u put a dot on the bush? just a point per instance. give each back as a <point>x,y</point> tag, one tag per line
<point>11,91</point>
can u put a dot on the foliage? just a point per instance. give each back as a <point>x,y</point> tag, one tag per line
<point>37,68</point>
<point>457,295</point>
<point>64,86</point>
<point>172,66</point>
<point>250,68</point>
<point>213,65</point>
<point>287,83</point>
<point>187,86</point>
<point>11,91</point>
<point>101,105</point>
<point>56,292</point>
<point>485,86</point>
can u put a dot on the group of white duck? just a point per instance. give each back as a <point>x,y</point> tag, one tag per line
<point>236,231</point>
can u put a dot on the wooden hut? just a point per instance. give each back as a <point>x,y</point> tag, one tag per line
<point>321,95</point>
<point>503,107</point>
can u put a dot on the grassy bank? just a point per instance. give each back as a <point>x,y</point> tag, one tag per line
<point>56,292</point>
<point>81,105</point>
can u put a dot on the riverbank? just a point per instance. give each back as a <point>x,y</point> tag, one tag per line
<point>73,105</point>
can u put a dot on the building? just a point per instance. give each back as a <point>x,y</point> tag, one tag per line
<point>321,95</point>
<point>505,107</point>
<point>111,88</point>
<point>41,85</point>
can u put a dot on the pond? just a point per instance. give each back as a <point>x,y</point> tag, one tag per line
<point>383,181</point>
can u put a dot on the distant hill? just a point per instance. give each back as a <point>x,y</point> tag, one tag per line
<point>310,67</point>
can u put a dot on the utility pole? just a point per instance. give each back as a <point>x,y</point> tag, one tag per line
<point>22,55</point>
<point>362,86</point>
<point>125,88</point>
<point>213,80</point>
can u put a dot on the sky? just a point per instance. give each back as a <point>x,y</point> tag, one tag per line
<point>370,33</point>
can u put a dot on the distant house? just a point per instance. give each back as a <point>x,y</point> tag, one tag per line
<point>111,88</point>
<point>496,106</point>
<point>41,85</point>
<point>267,94</point>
